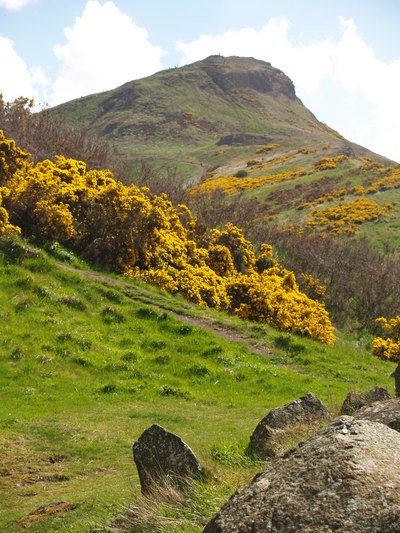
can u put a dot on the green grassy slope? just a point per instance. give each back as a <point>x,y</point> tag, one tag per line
<point>87,362</point>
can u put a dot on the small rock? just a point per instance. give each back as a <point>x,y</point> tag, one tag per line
<point>355,400</point>
<point>305,410</point>
<point>162,457</point>
<point>377,394</point>
<point>46,510</point>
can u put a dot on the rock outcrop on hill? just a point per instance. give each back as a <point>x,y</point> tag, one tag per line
<point>346,478</point>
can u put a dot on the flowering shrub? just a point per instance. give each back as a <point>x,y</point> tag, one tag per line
<point>253,162</point>
<point>12,158</point>
<point>313,287</point>
<point>128,230</point>
<point>189,119</point>
<point>266,148</point>
<point>388,348</point>
<point>307,150</point>
<point>326,129</point>
<point>372,166</point>
<point>346,223</point>
<point>271,163</point>
<point>274,297</point>
<point>336,193</point>
<point>5,227</point>
<point>344,218</point>
<point>390,181</point>
<point>327,163</point>
<point>231,185</point>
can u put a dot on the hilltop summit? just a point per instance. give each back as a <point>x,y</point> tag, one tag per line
<point>180,114</point>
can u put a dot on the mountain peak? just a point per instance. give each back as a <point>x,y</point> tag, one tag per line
<point>181,116</point>
<point>247,73</point>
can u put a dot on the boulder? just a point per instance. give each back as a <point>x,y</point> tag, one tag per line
<point>162,457</point>
<point>386,412</point>
<point>396,375</point>
<point>302,411</point>
<point>355,400</point>
<point>345,478</point>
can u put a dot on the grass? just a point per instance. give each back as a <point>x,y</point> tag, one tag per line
<point>88,363</point>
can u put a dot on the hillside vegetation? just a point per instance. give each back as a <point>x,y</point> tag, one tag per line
<point>241,232</point>
<point>87,362</point>
<point>229,137</point>
<point>129,231</point>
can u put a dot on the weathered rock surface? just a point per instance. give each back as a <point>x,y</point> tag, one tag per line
<point>355,400</point>
<point>386,412</point>
<point>163,457</point>
<point>307,409</point>
<point>346,478</point>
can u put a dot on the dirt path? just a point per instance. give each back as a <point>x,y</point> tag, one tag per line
<point>141,295</point>
<point>202,172</point>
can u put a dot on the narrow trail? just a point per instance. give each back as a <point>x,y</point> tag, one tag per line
<point>202,171</point>
<point>146,297</point>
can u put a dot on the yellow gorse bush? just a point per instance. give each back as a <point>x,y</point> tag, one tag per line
<point>344,218</point>
<point>327,163</point>
<point>307,150</point>
<point>267,148</point>
<point>5,227</point>
<point>260,166</point>
<point>231,185</point>
<point>313,287</point>
<point>391,180</point>
<point>128,230</point>
<point>388,348</point>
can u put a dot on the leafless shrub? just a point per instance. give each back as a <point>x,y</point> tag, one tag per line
<point>45,135</point>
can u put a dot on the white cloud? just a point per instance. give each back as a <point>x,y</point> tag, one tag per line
<point>104,49</point>
<point>333,78</point>
<point>14,5</point>
<point>15,78</point>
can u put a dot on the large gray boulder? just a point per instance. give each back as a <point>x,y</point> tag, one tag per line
<point>386,412</point>
<point>162,457</point>
<point>345,478</point>
<point>305,410</point>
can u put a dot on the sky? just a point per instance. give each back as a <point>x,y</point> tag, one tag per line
<point>343,56</point>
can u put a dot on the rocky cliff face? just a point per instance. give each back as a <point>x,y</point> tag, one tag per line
<point>247,73</point>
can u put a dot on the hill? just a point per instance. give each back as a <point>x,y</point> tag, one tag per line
<point>180,115</point>
<point>88,361</point>
<point>234,126</point>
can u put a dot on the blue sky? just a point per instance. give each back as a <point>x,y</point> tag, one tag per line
<point>343,56</point>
